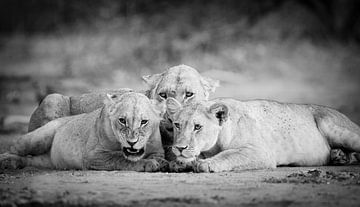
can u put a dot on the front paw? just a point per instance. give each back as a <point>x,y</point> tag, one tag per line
<point>179,166</point>
<point>11,161</point>
<point>202,166</point>
<point>151,165</point>
<point>164,164</point>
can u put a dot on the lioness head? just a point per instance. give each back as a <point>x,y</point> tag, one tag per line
<point>196,127</point>
<point>133,119</point>
<point>182,83</point>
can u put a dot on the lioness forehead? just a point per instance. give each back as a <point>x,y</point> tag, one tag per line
<point>194,111</point>
<point>133,103</point>
<point>181,76</point>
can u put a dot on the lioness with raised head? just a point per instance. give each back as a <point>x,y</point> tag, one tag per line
<point>122,135</point>
<point>181,82</point>
<point>226,134</point>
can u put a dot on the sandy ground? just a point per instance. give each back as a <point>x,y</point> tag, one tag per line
<point>285,186</point>
<point>320,186</point>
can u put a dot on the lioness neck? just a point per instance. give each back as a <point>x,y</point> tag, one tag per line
<point>104,130</point>
<point>225,135</point>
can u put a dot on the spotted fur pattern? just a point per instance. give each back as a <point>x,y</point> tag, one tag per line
<point>226,134</point>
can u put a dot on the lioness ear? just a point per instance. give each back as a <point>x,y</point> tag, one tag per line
<point>220,111</point>
<point>172,106</point>
<point>152,80</point>
<point>110,99</point>
<point>209,84</point>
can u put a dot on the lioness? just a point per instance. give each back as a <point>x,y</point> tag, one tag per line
<point>234,135</point>
<point>181,82</point>
<point>122,135</point>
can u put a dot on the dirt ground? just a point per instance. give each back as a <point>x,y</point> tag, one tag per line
<point>285,186</point>
<point>320,186</point>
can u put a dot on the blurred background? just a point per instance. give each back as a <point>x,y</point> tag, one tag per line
<point>303,51</point>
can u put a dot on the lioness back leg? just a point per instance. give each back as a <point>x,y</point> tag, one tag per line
<point>40,161</point>
<point>39,141</point>
<point>11,161</point>
<point>339,130</point>
<point>52,107</point>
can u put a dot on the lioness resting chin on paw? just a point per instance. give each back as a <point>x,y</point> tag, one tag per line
<point>121,135</point>
<point>181,82</point>
<point>226,134</point>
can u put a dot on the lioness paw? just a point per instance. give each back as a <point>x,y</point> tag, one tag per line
<point>164,164</point>
<point>340,157</point>
<point>202,166</point>
<point>10,161</point>
<point>151,165</point>
<point>178,166</point>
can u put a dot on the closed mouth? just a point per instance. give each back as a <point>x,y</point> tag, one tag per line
<point>132,152</point>
<point>185,159</point>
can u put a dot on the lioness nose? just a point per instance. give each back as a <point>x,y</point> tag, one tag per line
<point>181,148</point>
<point>131,143</point>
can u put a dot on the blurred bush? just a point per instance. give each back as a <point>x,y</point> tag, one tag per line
<point>295,50</point>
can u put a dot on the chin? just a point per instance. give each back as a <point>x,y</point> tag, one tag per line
<point>133,158</point>
<point>185,159</point>
<point>133,155</point>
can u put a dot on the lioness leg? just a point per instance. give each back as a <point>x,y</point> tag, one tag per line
<point>116,161</point>
<point>340,131</point>
<point>52,107</point>
<point>41,161</point>
<point>245,158</point>
<point>39,141</point>
<point>12,161</point>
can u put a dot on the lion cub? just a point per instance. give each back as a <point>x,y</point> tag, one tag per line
<point>237,135</point>
<point>121,135</point>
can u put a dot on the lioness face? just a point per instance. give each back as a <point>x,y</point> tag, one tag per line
<point>196,127</point>
<point>133,119</point>
<point>182,83</point>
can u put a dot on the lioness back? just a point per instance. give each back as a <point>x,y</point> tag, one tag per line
<point>70,140</point>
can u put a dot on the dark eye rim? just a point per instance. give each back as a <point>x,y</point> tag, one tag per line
<point>144,121</point>
<point>187,94</point>
<point>122,121</point>
<point>163,95</point>
<point>197,127</point>
<point>177,125</point>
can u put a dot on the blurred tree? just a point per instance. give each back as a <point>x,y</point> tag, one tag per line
<point>340,17</point>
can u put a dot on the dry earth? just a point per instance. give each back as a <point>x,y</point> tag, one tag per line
<point>325,186</point>
<point>285,186</point>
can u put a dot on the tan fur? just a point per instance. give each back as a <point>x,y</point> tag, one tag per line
<point>174,82</point>
<point>97,140</point>
<point>177,82</point>
<point>238,135</point>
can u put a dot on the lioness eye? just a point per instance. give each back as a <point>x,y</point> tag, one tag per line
<point>177,125</point>
<point>189,94</point>
<point>122,121</point>
<point>143,122</point>
<point>197,127</point>
<point>163,95</point>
